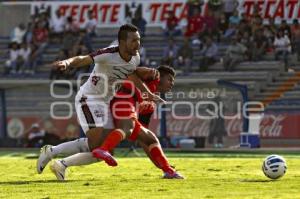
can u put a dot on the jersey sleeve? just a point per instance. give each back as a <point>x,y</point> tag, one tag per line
<point>101,55</point>
<point>152,85</point>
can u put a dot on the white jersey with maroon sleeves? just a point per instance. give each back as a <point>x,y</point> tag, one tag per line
<point>92,100</point>
<point>109,67</point>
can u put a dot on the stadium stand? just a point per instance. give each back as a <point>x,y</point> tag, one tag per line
<point>262,77</point>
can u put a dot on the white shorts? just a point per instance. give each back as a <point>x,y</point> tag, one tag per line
<point>92,113</point>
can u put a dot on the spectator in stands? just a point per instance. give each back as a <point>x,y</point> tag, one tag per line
<point>68,41</point>
<point>233,27</point>
<point>34,59</point>
<point>18,33</point>
<point>208,54</point>
<point>15,60</point>
<point>210,22</point>
<point>235,54</point>
<point>235,18</point>
<point>260,44</point>
<point>270,31</point>
<point>40,35</point>
<point>44,18</point>
<point>28,37</point>
<point>91,24</point>
<point>195,24</point>
<point>25,52</point>
<point>140,22</point>
<point>57,25</point>
<point>268,34</point>
<point>256,24</point>
<point>222,24</point>
<point>282,46</point>
<point>247,41</point>
<point>35,137</point>
<point>185,56</point>
<point>285,28</point>
<point>295,29</point>
<point>272,26</point>
<point>244,25</point>
<point>229,6</point>
<point>170,53</point>
<point>72,25</point>
<point>194,4</point>
<point>230,32</point>
<point>244,18</point>
<point>215,6</point>
<point>84,39</point>
<point>40,39</point>
<point>172,27</point>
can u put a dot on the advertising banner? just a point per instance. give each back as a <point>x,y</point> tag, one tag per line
<point>18,127</point>
<point>272,126</point>
<point>114,13</point>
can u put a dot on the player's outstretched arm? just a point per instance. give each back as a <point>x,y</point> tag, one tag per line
<point>145,73</point>
<point>74,62</point>
<point>144,89</point>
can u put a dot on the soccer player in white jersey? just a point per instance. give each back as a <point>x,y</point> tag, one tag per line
<point>92,100</point>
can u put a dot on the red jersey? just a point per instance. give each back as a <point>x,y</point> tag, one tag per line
<point>40,35</point>
<point>172,22</point>
<point>195,25</point>
<point>124,104</point>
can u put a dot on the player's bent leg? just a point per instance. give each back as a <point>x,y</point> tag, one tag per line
<point>67,148</point>
<point>156,154</point>
<point>105,139</point>
<point>96,136</point>
<point>146,150</point>
<point>78,159</point>
<point>124,128</point>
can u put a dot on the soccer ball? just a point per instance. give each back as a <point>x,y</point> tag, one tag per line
<point>274,166</point>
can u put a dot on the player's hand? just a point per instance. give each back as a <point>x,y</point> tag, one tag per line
<point>61,65</point>
<point>147,107</point>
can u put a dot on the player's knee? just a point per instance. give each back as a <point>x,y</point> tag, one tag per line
<point>127,126</point>
<point>148,137</point>
<point>94,136</point>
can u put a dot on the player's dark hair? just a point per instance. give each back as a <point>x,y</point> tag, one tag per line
<point>124,29</point>
<point>164,70</point>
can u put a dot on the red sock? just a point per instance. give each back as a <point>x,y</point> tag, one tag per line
<point>159,158</point>
<point>112,140</point>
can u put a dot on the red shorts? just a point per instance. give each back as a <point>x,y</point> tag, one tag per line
<point>123,109</point>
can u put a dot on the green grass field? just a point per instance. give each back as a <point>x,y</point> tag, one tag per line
<point>208,176</point>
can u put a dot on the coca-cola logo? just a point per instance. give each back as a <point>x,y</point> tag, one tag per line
<point>192,127</point>
<point>270,126</point>
<point>234,127</point>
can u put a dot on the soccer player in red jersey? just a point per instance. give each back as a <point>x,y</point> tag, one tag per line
<point>127,102</point>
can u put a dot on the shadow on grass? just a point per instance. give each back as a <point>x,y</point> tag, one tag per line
<point>38,182</point>
<point>256,180</point>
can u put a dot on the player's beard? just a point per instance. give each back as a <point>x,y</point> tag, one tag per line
<point>133,52</point>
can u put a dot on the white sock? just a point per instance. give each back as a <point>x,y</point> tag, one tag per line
<point>79,159</point>
<point>71,147</point>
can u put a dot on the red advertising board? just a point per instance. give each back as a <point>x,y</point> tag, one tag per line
<point>285,126</point>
